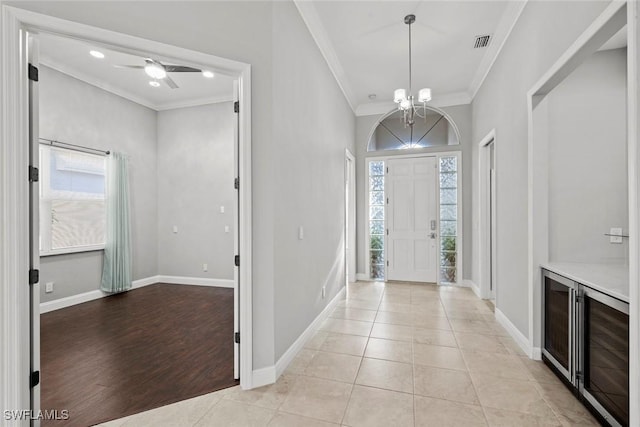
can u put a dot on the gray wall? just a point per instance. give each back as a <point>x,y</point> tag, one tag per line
<point>75,112</point>
<point>308,170</point>
<point>543,32</point>
<point>588,161</point>
<point>213,28</point>
<point>195,178</point>
<point>461,116</point>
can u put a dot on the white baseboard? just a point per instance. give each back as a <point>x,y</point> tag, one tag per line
<point>308,333</point>
<point>363,277</point>
<point>471,284</point>
<point>536,353</point>
<point>57,304</point>
<point>46,307</point>
<point>515,333</point>
<point>263,376</point>
<point>196,281</point>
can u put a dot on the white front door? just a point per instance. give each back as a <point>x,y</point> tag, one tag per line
<point>412,219</point>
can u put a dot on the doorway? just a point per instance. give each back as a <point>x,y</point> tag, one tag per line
<point>412,219</point>
<point>102,110</point>
<point>488,216</point>
<point>17,139</point>
<point>350,216</point>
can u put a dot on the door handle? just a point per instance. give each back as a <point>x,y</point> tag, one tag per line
<point>432,235</point>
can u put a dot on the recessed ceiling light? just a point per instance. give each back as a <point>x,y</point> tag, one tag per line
<point>96,54</point>
<point>154,83</point>
<point>372,96</point>
<point>207,74</point>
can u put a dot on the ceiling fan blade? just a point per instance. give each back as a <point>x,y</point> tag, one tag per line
<point>129,66</point>
<point>170,82</point>
<point>180,69</point>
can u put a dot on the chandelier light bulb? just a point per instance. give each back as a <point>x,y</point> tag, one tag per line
<point>399,95</point>
<point>405,104</point>
<point>424,95</point>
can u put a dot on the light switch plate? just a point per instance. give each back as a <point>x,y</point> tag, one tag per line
<point>175,228</point>
<point>48,287</point>
<point>616,235</point>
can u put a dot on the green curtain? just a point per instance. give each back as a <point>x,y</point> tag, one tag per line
<point>117,270</point>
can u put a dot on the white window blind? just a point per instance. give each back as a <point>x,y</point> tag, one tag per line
<point>72,193</point>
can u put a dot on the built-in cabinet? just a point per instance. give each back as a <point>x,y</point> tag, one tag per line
<point>586,341</point>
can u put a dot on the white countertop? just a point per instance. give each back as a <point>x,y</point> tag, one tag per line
<point>611,279</point>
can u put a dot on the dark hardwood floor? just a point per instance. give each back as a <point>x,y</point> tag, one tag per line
<point>135,351</point>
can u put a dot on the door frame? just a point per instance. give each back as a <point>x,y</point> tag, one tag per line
<point>487,253</point>
<point>460,241</point>
<point>14,195</point>
<point>350,212</point>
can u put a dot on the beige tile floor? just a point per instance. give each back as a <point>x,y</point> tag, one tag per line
<point>395,354</point>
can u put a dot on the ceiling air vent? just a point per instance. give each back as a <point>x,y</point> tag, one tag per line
<point>482,41</point>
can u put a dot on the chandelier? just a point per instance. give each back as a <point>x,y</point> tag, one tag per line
<point>404,98</point>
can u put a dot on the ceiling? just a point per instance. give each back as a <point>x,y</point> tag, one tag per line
<point>366,46</point>
<point>72,57</point>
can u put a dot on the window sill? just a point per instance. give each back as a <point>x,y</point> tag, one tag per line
<point>76,250</point>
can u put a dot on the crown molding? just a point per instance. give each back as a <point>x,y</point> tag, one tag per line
<point>194,102</point>
<point>310,17</point>
<point>64,69</point>
<point>93,81</point>
<point>444,100</point>
<point>503,31</point>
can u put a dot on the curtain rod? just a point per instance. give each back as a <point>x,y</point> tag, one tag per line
<point>54,143</point>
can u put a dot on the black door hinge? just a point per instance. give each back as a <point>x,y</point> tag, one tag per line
<point>34,276</point>
<point>236,107</point>
<point>236,337</point>
<point>34,379</point>
<point>387,263</point>
<point>236,260</point>
<point>34,174</point>
<point>33,73</point>
<point>236,183</point>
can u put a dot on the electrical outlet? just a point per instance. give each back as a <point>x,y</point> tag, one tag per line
<point>221,209</point>
<point>300,233</point>
<point>615,235</point>
<point>324,291</point>
<point>226,228</point>
<point>48,287</point>
<point>205,267</point>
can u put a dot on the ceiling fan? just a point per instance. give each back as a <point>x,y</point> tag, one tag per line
<point>158,71</point>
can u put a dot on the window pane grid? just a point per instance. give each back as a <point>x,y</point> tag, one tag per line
<point>448,170</point>
<point>376,219</point>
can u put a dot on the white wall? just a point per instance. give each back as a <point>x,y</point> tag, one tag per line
<point>76,112</point>
<point>461,115</point>
<point>543,32</point>
<point>195,157</point>
<point>588,161</point>
<point>313,125</point>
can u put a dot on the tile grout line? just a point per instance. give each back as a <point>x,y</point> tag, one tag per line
<point>353,385</point>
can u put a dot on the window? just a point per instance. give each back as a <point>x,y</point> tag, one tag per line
<point>448,218</point>
<point>376,219</point>
<point>72,193</point>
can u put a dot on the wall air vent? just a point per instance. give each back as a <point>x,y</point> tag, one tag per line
<point>482,41</point>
